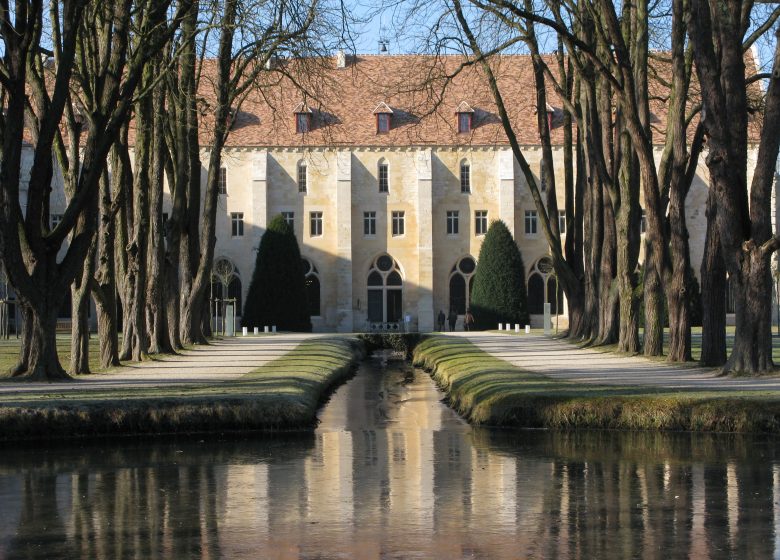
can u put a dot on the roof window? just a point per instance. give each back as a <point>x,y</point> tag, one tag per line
<point>465,115</point>
<point>302,118</point>
<point>384,118</point>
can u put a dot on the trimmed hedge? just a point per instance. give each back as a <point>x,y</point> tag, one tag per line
<point>499,292</point>
<point>277,294</point>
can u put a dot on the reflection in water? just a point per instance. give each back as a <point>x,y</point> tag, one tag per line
<point>392,473</point>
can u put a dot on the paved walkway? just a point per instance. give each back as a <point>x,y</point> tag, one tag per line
<point>562,360</point>
<point>222,360</point>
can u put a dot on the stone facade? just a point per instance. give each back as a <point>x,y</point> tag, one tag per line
<point>422,182</point>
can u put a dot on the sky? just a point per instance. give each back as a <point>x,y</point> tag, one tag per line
<point>378,23</point>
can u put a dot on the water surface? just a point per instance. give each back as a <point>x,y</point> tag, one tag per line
<point>391,472</point>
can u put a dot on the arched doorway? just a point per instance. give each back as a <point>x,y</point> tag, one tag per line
<point>385,291</point>
<point>461,281</point>
<point>543,287</point>
<point>312,281</point>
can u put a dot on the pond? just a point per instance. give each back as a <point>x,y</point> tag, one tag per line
<point>391,472</point>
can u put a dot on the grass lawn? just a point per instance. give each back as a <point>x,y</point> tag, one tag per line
<point>9,352</point>
<point>696,342</point>
<point>283,394</point>
<point>490,391</point>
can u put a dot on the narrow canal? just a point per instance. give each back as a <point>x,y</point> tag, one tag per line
<point>391,472</point>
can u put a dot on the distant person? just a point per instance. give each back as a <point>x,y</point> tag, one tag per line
<point>468,320</point>
<point>440,320</point>
<point>452,318</point>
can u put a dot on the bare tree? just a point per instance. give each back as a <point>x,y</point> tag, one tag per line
<point>250,36</point>
<point>742,213</point>
<point>29,249</point>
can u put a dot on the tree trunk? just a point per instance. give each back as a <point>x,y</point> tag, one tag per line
<point>713,294</point>
<point>43,363</point>
<point>628,227</point>
<point>25,341</point>
<point>79,341</point>
<point>654,306</point>
<point>104,289</point>
<point>628,337</point>
<point>136,342</point>
<point>680,174</point>
<point>108,337</point>
<point>752,351</point>
<point>155,305</point>
<point>594,232</point>
<point>579,324</point>
<point>199,278</point>
<point>608,302</point>
<point>678,291</point>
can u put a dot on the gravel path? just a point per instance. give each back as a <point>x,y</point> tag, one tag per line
<point>222,360</point>
<point>561,360</point>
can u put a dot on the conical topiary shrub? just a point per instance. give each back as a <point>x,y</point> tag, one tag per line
<point>277,294</point>
<point>499,293</point>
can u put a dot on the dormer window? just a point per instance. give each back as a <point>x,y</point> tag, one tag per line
<point>464,122</point>
<point>302,122</point>
<point>384,116</point>
<point>382,123</point>
<point>550,113</point>
<point>465,117</point>
<point>302,118</point>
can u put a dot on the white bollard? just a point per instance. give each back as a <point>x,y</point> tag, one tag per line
<point>547,319</point>
<point>243,331</point>
<point>256,330</point>
<point>528,329</point>
<point>265,329</point>
<point>517,327</point>
<point>509,327</point>
<point>273,329</point>
<point>500,327</point>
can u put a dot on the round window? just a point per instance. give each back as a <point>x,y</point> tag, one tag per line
<point>467,265</point>
<point>384,263</point>
<point>545,265</point>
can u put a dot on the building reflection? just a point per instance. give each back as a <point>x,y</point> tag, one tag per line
<point>392,475</point>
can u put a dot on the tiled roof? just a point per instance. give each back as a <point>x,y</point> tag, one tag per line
<point>423,93</point>
<point>424,105</point>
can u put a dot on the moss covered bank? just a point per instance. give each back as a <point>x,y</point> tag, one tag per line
<point>281,395</point>
<point>488,391</point>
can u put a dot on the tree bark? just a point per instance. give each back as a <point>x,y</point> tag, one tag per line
<point>79,341</point>
<point>713,293</point>
<point>628,226</point>
<point>43,363</point>
<point>679,289</point>
<point>752,351</point>
<point>104,288</point>
<point>609,318</point>
<point>155,304</point>
<point>579,324</point>
<point>25,341</point>
<point>594,225</point>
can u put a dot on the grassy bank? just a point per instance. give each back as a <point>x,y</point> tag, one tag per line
<point>281,395</point>
<point>488,391</point>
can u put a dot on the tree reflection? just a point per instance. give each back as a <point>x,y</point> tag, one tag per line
<point>410,481</point>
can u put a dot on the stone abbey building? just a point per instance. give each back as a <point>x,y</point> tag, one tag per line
<point>390,189</point>
<point>390,175</point>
